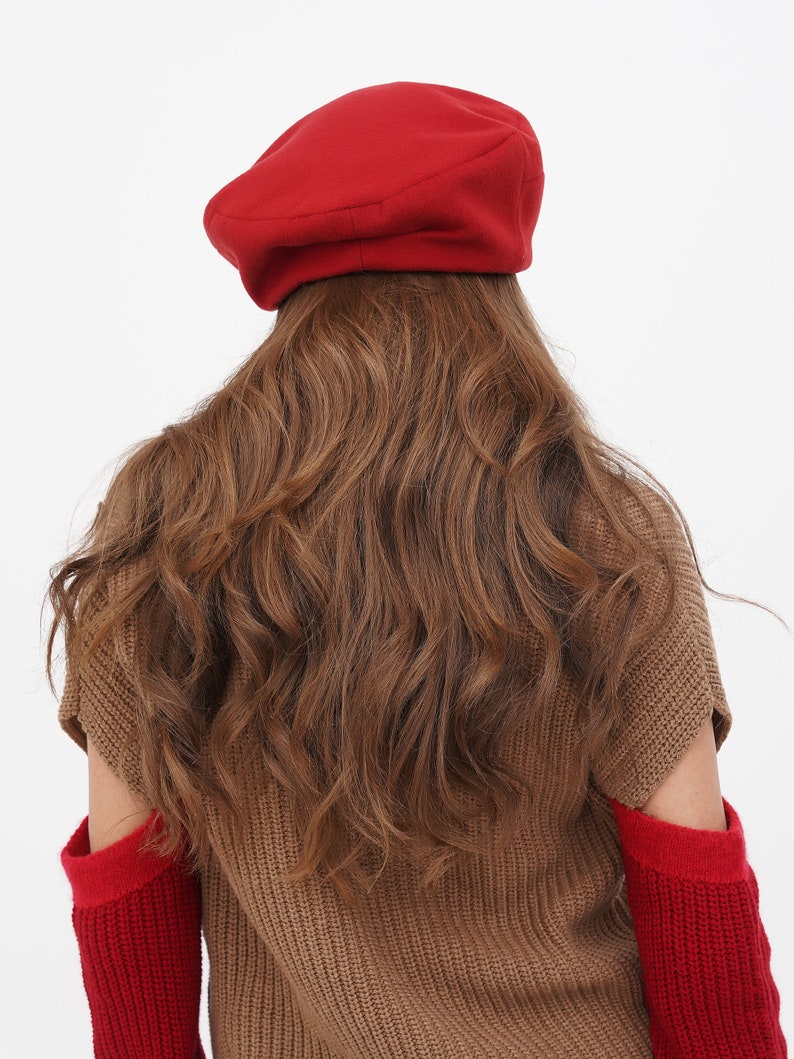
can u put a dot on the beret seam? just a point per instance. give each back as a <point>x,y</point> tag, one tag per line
<point>358,237</point>
<point>373,202</point>
<point>517,213</point>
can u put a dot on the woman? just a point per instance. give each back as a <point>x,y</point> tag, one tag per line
<point>392,675</point>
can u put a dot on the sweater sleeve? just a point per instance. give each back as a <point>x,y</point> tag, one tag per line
<point>704,952</point>
<point>99,700</point>
<point>671,686</point>
<point>137,919</point>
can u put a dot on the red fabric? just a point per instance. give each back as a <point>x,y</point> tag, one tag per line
<point>705,955</point>
<point>396,177</point>
<point>137,918</point>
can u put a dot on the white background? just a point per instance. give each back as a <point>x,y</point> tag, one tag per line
<point>662,274</point>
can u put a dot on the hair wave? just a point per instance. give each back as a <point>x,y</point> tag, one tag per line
<point>372,518</point>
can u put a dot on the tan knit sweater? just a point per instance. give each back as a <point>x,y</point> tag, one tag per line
<point>525,955</point>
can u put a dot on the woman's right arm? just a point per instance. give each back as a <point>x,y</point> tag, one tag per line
<point>694,904</point>
<point>690,794</point>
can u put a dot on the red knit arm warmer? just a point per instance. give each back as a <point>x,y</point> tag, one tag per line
<point>703,948</point>
<point>137,917</point>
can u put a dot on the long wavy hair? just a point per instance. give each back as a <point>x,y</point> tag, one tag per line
<point>371,517</point>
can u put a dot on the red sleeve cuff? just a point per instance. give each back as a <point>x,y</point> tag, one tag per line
<point>113,872</point>
<point>684,852</point>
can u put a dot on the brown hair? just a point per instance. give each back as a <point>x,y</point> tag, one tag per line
<point>373,518</point>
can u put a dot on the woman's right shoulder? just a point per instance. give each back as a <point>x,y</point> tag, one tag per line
<point>608,525</point>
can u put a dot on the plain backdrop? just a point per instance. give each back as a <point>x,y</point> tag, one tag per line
<point>662,276</point>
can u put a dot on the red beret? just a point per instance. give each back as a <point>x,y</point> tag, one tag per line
<point>396,177</point>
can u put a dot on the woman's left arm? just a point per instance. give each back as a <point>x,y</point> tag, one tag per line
<point>137,918</point>
<point>114,811</point>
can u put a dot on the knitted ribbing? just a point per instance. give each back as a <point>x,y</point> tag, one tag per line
<point>525,954</point>
<point>705,954</point>
<point>137,919</point>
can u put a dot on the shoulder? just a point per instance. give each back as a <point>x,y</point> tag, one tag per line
<point>625,517</point>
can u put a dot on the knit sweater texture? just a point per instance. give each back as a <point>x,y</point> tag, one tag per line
<point>693,896</point>
<point>523,954</point>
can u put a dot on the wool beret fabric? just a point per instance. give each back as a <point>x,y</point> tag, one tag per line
<point>396,177</point>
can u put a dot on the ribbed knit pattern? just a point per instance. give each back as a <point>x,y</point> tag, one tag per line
<point>705,955</point>
<point>525,954</point>
<point>137,918</point>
